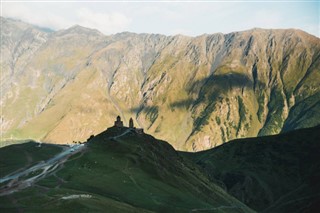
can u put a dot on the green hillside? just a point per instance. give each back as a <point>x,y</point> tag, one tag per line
<point>121,170</point>
<point>25,155</point>
<point>278,173</point>
<point>127,173</point>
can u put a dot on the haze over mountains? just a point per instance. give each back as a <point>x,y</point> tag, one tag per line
<point>194,92</point>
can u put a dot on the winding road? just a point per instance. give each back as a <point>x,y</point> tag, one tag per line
<point>16,181</point>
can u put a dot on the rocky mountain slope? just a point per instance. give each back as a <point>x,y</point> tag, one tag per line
<point>195,92</point>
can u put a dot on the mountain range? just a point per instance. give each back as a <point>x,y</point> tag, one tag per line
<point>194,92</point>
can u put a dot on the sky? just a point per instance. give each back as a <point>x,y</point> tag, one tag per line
<point>170,17</point>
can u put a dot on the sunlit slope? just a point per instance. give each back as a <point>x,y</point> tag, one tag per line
<point>130,173</point>
<point>270,174</point>
<point>194,92</point>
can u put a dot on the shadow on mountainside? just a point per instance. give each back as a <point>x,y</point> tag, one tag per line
<point>213,87</point>
<point>276,173</point>
<point>212,90</point>
<point>207,91</point>
<point>204,93</point>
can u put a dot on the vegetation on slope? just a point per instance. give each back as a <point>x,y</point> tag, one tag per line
<point>270,174</point>
<point>25,155</point>
<point>127,173</point>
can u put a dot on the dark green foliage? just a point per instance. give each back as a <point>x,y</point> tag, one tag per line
<point>131,173</point>
<point>152,114</point>
<point>218,120</point>
<point>274,173</point>
<point>242,114</point>
<point>274,120</point>
<point>304,114</point>
<point>203,119</point>
<point>223,137</point>
<point>246,126</point>
<point>18,156</point>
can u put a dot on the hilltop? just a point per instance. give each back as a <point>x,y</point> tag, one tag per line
<point>123,171</point>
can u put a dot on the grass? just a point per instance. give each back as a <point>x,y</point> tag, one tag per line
<point>134,173</point>
<point>265,172</point>
<point>138,173</point>
<point>274,120</point>
<point>218,120</point>
<point>14,157</point>
<point>242,114</point>
<point>152,114</point>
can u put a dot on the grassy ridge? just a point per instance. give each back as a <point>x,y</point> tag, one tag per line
<point>131,173</point>
<point>138,173</point>
<point>273,173</point>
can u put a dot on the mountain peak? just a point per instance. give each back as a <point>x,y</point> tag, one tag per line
<point>78,29</point>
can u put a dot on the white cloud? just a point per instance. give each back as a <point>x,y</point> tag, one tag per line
<point>43,18</point>
<point>192,18</point>
<point>105,22</point>
<point>59,17</point>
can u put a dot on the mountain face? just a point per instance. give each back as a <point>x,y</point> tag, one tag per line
<point>195,92</point>
<point>269,174</point>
